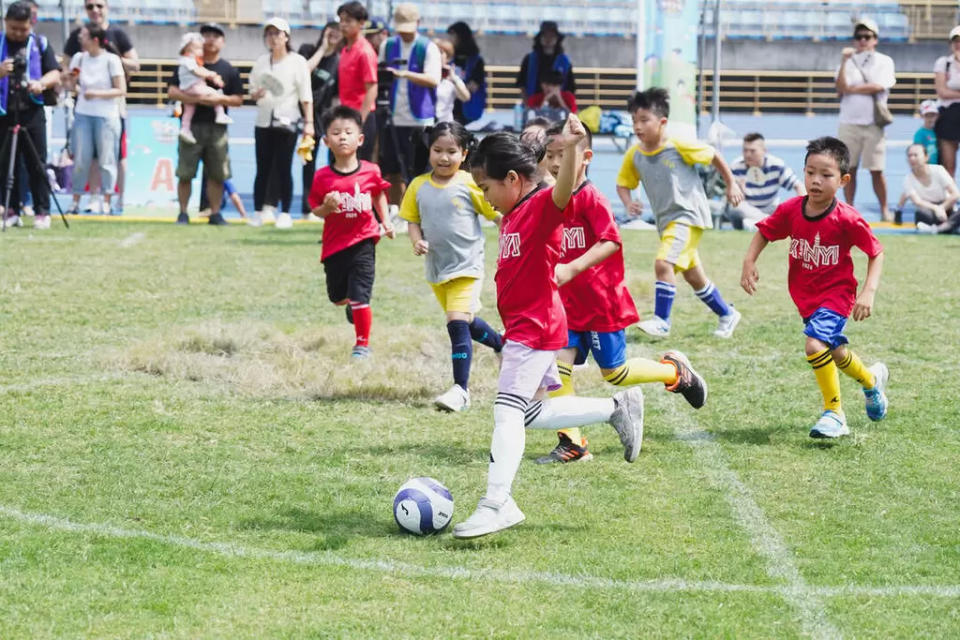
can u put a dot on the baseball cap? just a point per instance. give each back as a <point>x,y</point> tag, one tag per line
<point>866,23</point>
<point>212,27</point>
<point>954,33</point>
<point>405,17</point>
<point>374,25</point>
<point>279,24</point>
<point>928,106</point>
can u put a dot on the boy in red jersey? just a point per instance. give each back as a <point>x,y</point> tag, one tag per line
<point>528,299</point>
<point>821,280</point>
<point>348,195</point>
<point>590,274</point>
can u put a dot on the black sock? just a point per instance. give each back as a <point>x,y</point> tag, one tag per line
<point>485,334</point>
<point>461,351</point>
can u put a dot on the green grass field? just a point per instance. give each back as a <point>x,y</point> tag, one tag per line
<point>187,451</point>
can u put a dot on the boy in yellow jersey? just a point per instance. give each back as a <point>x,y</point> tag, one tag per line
<point>665,166</point>
<point>599,308</point>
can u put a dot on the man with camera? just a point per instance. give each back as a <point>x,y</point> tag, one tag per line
<point>411,98</point>
<point>28,68</point>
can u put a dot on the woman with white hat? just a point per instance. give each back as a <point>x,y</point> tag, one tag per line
<point>280,83</point>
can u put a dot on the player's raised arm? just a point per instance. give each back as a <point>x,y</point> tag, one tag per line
<point>573,133</point>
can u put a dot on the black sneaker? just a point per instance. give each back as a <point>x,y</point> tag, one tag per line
<point>216,219</point>
<point>183,218</point>
<point>566,451</point>
<point>690,383</point>
<point>349,311</point>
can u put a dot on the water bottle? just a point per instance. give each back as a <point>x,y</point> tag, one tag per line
<point>518,113</point>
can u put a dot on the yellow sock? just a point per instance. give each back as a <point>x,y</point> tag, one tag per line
<point>566,389</point>
<point>853,367</point>
<point>828,379</point>
<point>638,370</point>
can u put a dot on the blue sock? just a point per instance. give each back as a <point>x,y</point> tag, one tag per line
<point>461,351</point>
<point>711,297</point>
<point>485,334</point>
<point>664,292</point>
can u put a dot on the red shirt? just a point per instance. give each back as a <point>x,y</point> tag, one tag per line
<point>597,299</point>
<point>527,296</point>
<point>536,100</point>
<point>357,67</point>
<point>821,269</point>
<point>355,221</point>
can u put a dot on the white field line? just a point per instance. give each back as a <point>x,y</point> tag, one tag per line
<point>580,581</point>
<point>766,541</point>
<point>132,239</point>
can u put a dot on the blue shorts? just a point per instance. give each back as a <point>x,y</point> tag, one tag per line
<point>826,326</point>
<point>228,188</point>
<point>609,349</point>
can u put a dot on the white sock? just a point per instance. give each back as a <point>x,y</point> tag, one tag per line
<point>506,449</point>
<point>567,412</point>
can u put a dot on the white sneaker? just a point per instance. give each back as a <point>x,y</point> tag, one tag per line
<point>656,327</point>
<point>41,222</point>
<point>284,221</point>
<point>489,517</point>
<point>726,324</point>
<point>923,227</point>
<point>13,221</point>
<point>830,425</point>
<point>94,205</point>
<point>627,419</point>
<point>266,216</point>
<point>455,399</point>
<point>255,219</point>
<point>223,119</point>
<point>186,136</point>
<point>27,210</point>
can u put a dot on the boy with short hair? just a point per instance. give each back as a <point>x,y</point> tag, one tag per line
<point>821,279</point>
<point>590,272</point>
<point>665,165</point>
<point>925,135</point>
<point>349,194</point>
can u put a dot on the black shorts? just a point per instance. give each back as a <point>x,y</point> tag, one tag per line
<point>411,143</point>
<point>350,272</point>
<point>948,123</point>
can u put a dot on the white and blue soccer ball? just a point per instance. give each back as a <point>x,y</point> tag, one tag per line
<point>423,506</point>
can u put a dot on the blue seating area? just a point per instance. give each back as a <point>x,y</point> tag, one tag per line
<point>146,11</point>
<point>805,19</point>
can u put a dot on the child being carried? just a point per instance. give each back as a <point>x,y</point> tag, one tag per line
<point>192,78</point>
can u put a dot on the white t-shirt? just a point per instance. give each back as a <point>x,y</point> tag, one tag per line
<point>446,96</point>
<point>293,75</point>
<point>402,115</point>
<point>951,67</point>
<point>936,191</point>
<point>186,72</point>
<point>857,108</point>
<point>96,72</point>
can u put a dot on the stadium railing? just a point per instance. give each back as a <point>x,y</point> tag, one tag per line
<point>745,91</point>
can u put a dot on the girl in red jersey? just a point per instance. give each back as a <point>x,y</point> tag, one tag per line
<point>535,324</point>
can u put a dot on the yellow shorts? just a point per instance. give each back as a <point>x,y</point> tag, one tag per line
<point>459,294</point>
<point>678,246</point>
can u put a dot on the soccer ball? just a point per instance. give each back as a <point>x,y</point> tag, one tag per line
<point>423,506</point>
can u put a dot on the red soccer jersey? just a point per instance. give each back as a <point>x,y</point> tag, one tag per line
<point>527,296</point>
<point>821,269</point>
<point>597,299</point>
<point>357,67</point>
<point>355,221</point>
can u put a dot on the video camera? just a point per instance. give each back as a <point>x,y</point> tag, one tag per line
<point>385,79</point>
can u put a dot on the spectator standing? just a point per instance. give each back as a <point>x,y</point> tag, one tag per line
<point>212,141</point>
<point>946,72</point>
<point>99,79</point>
<point>451,88</point>
<point>926,135</point>
<point>930,188</point>
<point>357,73</point>
<point>375,31</point>
<point>547,55</point>
<point>322,62</point>
<point>864,76</point>
<point>43,73</point>
<point>760,175</point>
<point>98,16</point>
<point>415,64</point>
<point>280,83</point>
<point>470,67</point>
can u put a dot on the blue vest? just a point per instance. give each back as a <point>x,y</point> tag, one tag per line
<point>35,45</point>
<point>561,63</point>
<point>423,101</point>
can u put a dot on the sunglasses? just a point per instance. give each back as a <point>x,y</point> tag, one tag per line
<point>863,36</point>
<point>92,6</point>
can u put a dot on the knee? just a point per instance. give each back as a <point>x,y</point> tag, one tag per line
<point>615,376</point>
<point>814,346</point>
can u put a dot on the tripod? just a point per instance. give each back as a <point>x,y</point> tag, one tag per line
<point>12,144</point>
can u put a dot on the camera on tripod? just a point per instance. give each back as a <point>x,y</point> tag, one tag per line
<point>385,79</point>
<point>19,81</point>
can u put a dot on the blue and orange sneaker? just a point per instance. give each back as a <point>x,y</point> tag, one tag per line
<point>876,397</point>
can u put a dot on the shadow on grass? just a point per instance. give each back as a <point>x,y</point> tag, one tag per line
<point>446,454</point>
<point>334,529</point>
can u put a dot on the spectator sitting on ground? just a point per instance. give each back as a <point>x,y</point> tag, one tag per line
<point>553,96</point>
<point>451,87</point>
<point>926,135</point>
<point>931,190</point>
<point>761,175</point>
<point>547,55</point>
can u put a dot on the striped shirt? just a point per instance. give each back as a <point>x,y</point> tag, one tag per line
<point>761,185</point>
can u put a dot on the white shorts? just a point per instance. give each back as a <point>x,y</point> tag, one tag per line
<point>524,371</point>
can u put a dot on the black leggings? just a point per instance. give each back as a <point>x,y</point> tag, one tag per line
<point>274,182</point>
